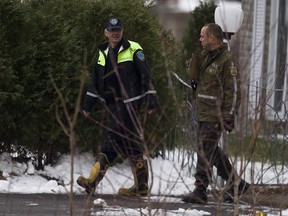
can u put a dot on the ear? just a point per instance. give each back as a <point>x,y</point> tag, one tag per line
<point>105,33</point>
<point>211,37</point>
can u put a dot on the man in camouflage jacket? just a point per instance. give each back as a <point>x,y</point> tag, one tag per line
<point>216,80</point>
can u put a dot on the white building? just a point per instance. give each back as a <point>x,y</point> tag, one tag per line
<point>264,59</point>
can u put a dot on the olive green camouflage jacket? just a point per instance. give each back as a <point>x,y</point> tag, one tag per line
<point>218,85</point>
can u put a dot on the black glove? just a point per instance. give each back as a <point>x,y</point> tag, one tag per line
<point>193,84</point>
<point>229,125</point>
<point>151,102</point>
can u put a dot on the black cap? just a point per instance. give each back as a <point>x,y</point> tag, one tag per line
<point>113,23</point>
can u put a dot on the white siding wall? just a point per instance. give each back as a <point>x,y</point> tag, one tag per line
<point>285,99</point>
<point>257,56</point>
<point>272,57</point>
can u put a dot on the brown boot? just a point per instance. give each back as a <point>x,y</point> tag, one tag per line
<point>140,174</point>
<point>97,173</point>
<point>243,187</point>
<point>197,196</point>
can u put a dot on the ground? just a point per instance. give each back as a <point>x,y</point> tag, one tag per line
<point>275,196</point>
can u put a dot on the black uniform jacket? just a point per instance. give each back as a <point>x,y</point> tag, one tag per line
<point>132,74</point>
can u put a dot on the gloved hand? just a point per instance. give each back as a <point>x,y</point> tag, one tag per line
<point>193,84</point>
<point>229,125</point>
<point>151,103</point>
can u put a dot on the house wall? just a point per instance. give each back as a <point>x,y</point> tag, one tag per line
<point>258,56</point>
<point>243,44</point>
<point>245,37</point>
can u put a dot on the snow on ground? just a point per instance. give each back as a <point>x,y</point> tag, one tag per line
<point>168,178</point>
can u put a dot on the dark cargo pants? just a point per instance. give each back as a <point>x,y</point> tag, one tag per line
<point>123,139</point>
<point>209,154</point>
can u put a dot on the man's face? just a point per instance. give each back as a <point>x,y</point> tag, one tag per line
<point>114,36</point>
<point>205,39</point>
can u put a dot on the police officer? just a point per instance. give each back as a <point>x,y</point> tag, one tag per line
<point>216,81</point>
<point>122,80</point>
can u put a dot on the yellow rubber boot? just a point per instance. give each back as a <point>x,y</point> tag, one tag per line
<point>140,174</point>
<point>97,173</point>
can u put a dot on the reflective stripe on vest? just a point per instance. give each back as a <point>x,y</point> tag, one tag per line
<point>95,96</point>
<point>139,96</point>
<point>233,108</point>
<point>207,96</point>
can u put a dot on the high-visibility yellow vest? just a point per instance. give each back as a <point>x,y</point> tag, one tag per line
<point>123,55</point>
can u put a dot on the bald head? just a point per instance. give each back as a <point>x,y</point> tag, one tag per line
<point>211,36</point>
<point>215,30</point>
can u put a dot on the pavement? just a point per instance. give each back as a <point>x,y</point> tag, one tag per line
<point>63,204</point>
<point>59,204</point>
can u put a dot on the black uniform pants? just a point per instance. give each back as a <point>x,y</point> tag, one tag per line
<point>209,154</point>
<point>122,139</point>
